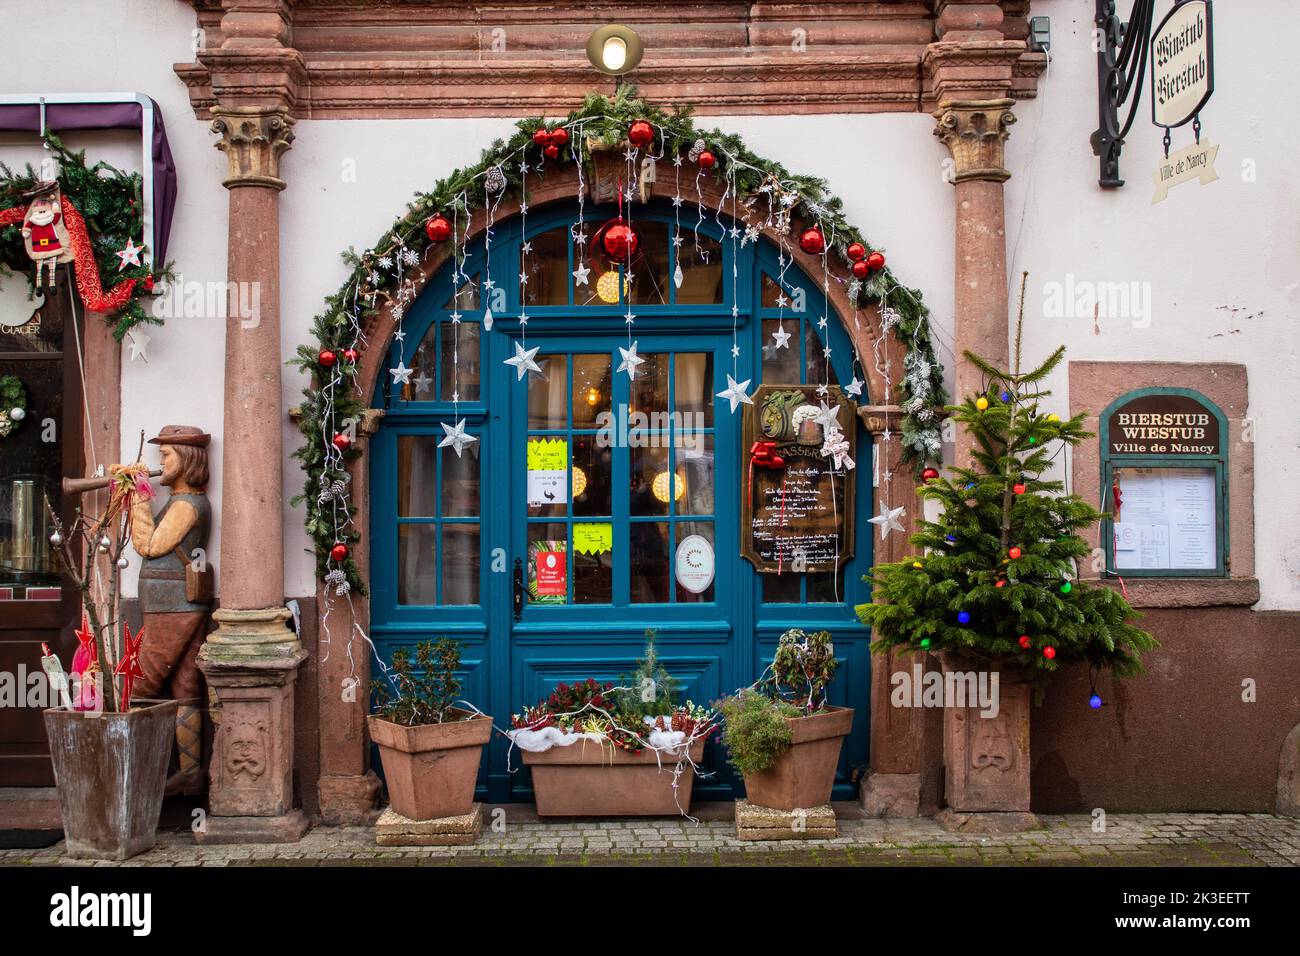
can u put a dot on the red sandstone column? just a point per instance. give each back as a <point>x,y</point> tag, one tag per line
<point>251,661</point>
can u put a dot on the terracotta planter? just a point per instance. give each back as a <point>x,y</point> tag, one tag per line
<point>591,780</point>
<point>803,776</point>
<point>431,770</point>
<point>110,772</point>
<point>986,758</point>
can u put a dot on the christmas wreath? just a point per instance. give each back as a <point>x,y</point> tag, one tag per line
<point>795,205</point>
<point>13,404</point>
<point>102,213</point>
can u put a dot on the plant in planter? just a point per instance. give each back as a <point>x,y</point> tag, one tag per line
<point>430,747</point>
<point>109,750</point>
<point>996,587</point>
<point>781,735</point>
<point>601,749</point>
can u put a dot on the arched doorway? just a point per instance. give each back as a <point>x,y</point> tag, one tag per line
<point>563,471</point>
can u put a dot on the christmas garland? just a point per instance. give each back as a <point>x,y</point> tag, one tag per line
<point>13,404</point>
<point>332,402</point>
<point>103,213</point>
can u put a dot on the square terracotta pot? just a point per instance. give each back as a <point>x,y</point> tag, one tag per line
<point>587,779</point>
<point>804,775</point>
<point>431,769</point>
<point>110,772</point>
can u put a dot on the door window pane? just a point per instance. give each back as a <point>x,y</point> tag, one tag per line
<point>695,466</point>
<point>591,389</point>
<point>593,575</point>
<point>417,476</point>
<point>548,393</point>
<point>650,387</point>
<point>460,482</point>
<point>592,482</point>
<point>30,470</point>
<point>460,563</point>
<point>417,580</point>
<point>689,565</point>
<point>650,266</point>
<point>781,588</point>
<point>648,551</point>
<point>781,365</point>
<point>547,266</point>
<point>693,389</point>
<point>818,366</point>
<point>651,485</point>
<point>547,572</point>
<point>701,264</point>
<point>460,361</point>
<point>465,298</point>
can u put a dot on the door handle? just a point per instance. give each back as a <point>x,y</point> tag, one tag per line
<point>519,589</point>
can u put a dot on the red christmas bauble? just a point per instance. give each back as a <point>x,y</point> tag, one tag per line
<point>812,241</point>
<point>351,355</point>
<point>1018,487</point>
<point>342,442</point>
<point>861,269</point>
<point>551,151</point>
<point>541,136</point>
<point>640,133</point>
<point>438,229</point>
<point>620,240</point>
<point>930,474</point>
<point>1024,640</point>
<point>1014,552</point>
<point>999,583</point>
<point>559,136</point>
<point>1049,652</point>
<point>147,282</point>
<point>707,160</point>
<point>339,551</point>
<point>326,357</point>
<point>856,251</point>
<point>876,261</point>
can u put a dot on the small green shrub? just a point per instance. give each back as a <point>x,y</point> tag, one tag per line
<point>756,732</point>
<point>424,690</point>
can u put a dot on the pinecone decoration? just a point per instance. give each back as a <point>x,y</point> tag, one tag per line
<point>495,180</point>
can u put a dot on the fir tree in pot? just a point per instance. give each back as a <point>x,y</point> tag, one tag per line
<point>430,748</point>
<point>781,735</point>
<point>995,587</point>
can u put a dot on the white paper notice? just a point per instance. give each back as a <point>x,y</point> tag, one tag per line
<point>548,487</point>
<point>1167,519</point>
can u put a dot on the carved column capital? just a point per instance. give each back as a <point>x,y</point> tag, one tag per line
<point>253,138</point>
<point>974,132</point>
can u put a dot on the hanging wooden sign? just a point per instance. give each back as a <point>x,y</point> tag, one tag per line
<point>796,503</point>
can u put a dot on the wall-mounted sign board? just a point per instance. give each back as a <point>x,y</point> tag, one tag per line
<point>796,515</point>
<point>1163,424</point>
<point>1182,64</point>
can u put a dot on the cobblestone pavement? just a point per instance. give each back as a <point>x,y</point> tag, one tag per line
<point>1165,839</point>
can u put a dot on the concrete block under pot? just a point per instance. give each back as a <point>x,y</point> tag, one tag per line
<point>803,776</point>
<point>431,769</point>
<point>110,771</point>
<point>587,779</point>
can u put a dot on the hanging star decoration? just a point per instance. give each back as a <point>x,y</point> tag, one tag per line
<point>887,520</point>
<point>456,437</point>
<point>523,361</point>
<point>781,337</point>
<point>130,256</point>
<point>128,668</point>
<point>580,274</point>
<point>422,383</point>
<point>828,418</point>
<point>735,393</point>
<point>854,388</point>
<point>630,361</point>
<point>138,342</point>
<point>401,374</point>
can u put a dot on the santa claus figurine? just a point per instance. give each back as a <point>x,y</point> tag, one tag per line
<point>44,234</point>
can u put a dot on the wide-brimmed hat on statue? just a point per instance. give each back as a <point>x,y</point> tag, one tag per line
<point>181,435</point>
<point>42,188</point>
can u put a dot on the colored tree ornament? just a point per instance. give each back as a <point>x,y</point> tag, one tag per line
<point>812,241</point>
<point>351,355</point>
<point>341,441</point>
<point>1053,417</point>
<point>981,403</point>
<point>541,136</point>
<point>551,151</point>
<point>640,133</point>
<point>1000,583</point>
<point>918,565</point>
<point>619,240</point>
<point>438,228</point>
<point>856,251</point>
<point>339,552</point>
<point>1025,641</point>
<point>327,357</point>
<point>930,474</point>
<point>1018,487</point>
<point>925,643</point>
<point>1049,652</point>
<point>876,261</point>
<point>559,136</point>
<point>1014,553</point>
<point>707,160</point>
<point>963,617</point>
<point>861,270</point>
<point>1066,587</point>
<point>1095,701</point>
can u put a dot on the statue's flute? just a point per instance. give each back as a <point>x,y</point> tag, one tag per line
<point>80,486</point>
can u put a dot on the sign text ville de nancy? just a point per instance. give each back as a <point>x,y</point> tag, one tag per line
<point>1163,425</point>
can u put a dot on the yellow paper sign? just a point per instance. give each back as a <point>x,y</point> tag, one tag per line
<point>548,454</point>
<point>593,538</point>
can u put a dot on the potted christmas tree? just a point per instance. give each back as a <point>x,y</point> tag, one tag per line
<point>781,735</point>
<point>109,749</point>
<point>430,748</point>
<point>995,589</point>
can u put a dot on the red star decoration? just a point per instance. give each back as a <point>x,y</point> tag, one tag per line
<point>86,637</point>
<point>128,668</point>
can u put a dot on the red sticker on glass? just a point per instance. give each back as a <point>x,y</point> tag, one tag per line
<point>550,572</point>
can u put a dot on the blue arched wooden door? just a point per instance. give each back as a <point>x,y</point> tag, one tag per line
<point>447,530</point>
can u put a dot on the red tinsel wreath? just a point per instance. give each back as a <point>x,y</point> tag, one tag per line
<point>91,291</point>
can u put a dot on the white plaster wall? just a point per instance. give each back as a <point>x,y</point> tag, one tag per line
<point>1221,260</point>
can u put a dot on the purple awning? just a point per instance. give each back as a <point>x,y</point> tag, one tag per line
<point>128,115</point>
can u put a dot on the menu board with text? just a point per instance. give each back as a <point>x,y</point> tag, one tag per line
<point>1164,519</point>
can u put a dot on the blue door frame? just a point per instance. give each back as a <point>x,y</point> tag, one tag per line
<point>710,648</point>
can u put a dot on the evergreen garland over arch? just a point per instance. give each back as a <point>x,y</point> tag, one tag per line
<point>332,401</point>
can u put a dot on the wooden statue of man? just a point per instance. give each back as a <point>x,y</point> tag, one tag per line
<point>174,625</point>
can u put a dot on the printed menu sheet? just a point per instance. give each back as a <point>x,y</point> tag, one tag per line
<point>1165,519</point>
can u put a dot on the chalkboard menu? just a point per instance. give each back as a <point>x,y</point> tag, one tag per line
<point>796,505</point>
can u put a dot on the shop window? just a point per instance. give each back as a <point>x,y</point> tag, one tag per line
<point>1164,485</point>
<point>445,363</point>
<point>437,522</point>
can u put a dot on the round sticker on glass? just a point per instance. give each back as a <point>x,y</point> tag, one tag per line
<point>695,563</point>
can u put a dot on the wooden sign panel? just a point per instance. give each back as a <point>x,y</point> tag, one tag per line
<point>1163,425</point>
<point>801,512</point>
